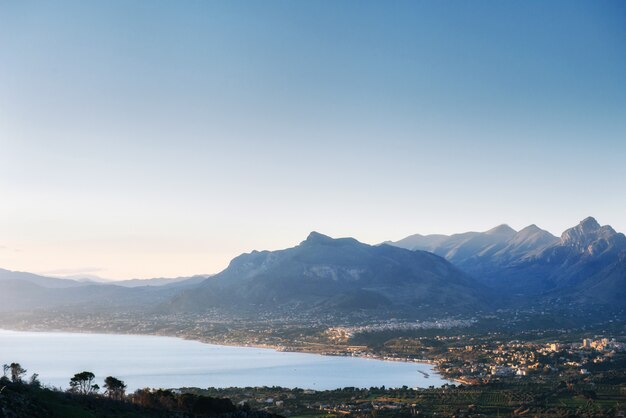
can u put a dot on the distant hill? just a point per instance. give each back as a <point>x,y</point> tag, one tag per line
<point>43,281</point>
<point>162,281</point>
<point>22,291</point>
<point>327,274</point>
<point>18,295</point>
<point>82,280</point>
<point>157,281</point>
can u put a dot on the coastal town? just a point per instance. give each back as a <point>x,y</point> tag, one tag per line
<point>482,362</point>
<point>456,347</point>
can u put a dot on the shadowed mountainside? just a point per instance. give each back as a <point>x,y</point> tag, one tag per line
<point>343,274</point>
<point>586,264</point>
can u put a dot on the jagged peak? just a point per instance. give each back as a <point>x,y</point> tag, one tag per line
<point>608,229</point>
<point>589,224</point>
<point>587,232</point>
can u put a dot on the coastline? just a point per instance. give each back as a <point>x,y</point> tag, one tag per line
<point>277,348</point>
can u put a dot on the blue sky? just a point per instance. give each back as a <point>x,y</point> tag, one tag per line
<point>142,139</point>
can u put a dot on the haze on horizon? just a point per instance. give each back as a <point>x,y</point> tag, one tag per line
<point>151,139</point>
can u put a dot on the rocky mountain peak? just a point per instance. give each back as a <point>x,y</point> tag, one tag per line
<point>589,236</point>
<point>582,233</point>
<point>589,224</point>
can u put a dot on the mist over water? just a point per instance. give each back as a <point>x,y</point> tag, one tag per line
<point>165,362</point>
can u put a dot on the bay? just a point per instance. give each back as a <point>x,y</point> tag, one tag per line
<point>168,362</point>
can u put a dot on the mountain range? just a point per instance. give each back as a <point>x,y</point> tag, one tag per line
<point>430,275</point>
<point>586,262</point>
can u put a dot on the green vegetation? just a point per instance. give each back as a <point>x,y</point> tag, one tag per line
<point>491,400</point>
<point>83,383</point>
<point>20,399</point>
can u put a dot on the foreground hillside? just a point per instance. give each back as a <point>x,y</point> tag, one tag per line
<point>20,400</point>
<point>599,396</point>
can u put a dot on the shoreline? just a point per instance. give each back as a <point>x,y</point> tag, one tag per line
<point>277,348</point>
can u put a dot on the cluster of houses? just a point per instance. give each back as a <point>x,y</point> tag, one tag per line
<point>520,359</point>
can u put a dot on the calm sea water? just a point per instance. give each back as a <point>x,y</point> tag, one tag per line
<point>164,362</point>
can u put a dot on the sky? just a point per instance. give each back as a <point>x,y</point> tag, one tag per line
<point>160,138</point>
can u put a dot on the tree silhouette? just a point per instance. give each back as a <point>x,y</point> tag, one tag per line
<point>17,371</point>
<point>34,380</point>
<point>115,388</point>
<point>83,383</point>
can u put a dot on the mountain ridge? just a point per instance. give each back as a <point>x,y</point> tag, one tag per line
<point>533,261</point>
<point>336,274</point>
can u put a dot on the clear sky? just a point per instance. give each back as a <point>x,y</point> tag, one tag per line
<point>153,138</point>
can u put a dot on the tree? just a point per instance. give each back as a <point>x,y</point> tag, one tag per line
<point>115,388</point>
<point>17,371</point>
<point>83,383</point>
<point>34,380</point>
<point>4,380</point>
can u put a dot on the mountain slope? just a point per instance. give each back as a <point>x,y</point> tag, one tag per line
<point>326,274</point>
<point>43,281</point>
<point>608,285</point>
<point>585,256</point>
<point>586,265</point>
<point>482,254</point>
